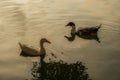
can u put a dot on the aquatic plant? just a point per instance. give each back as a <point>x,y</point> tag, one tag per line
<point>59,71</point>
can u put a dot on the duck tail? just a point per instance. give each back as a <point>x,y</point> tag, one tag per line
<point>99,26</point>
<point>20,45</point>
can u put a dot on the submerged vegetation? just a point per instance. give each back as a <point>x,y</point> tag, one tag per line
<point>59,71</point>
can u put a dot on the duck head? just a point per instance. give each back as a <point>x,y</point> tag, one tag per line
<point>72,24</point>
<point>45,40</point>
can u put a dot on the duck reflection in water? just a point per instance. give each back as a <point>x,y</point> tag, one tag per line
<point>85,33</point>
<point>71,38</point>
<point>59,71</point>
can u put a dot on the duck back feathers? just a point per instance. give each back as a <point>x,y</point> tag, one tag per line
<point>28,52</point>
<point>88,31</point>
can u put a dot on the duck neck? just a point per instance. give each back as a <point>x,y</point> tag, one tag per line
<point>42,45</point>
<point>73,30</point>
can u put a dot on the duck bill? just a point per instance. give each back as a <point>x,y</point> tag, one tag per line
<point>49,42</point>
<point>100,25</point>
<point>66,25</point>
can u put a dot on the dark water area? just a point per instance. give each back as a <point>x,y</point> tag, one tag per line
<point>27,21</point>
<point>59,71</point>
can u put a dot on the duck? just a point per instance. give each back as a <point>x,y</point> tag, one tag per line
<point>83,31</point>
<point>30,52</point>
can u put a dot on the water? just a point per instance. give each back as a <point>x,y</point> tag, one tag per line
<point>27,21</point>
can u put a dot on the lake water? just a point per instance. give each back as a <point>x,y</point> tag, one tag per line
<point>27,21</point>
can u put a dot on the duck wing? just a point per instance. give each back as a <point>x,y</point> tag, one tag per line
<point>28,52</point>
<point>94,28</point>
<point>83,31</point>
<point>89,30</point>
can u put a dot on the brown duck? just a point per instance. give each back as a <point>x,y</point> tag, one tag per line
<point>83,31</point>
<point>30,52</point>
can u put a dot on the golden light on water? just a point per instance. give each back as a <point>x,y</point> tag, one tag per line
<point>27,21</point>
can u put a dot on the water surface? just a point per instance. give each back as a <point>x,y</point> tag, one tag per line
<point>30,20</point>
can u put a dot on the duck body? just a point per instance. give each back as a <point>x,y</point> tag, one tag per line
<point>84,31</point>
<point>30,52</point>
<point>88,31</point>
